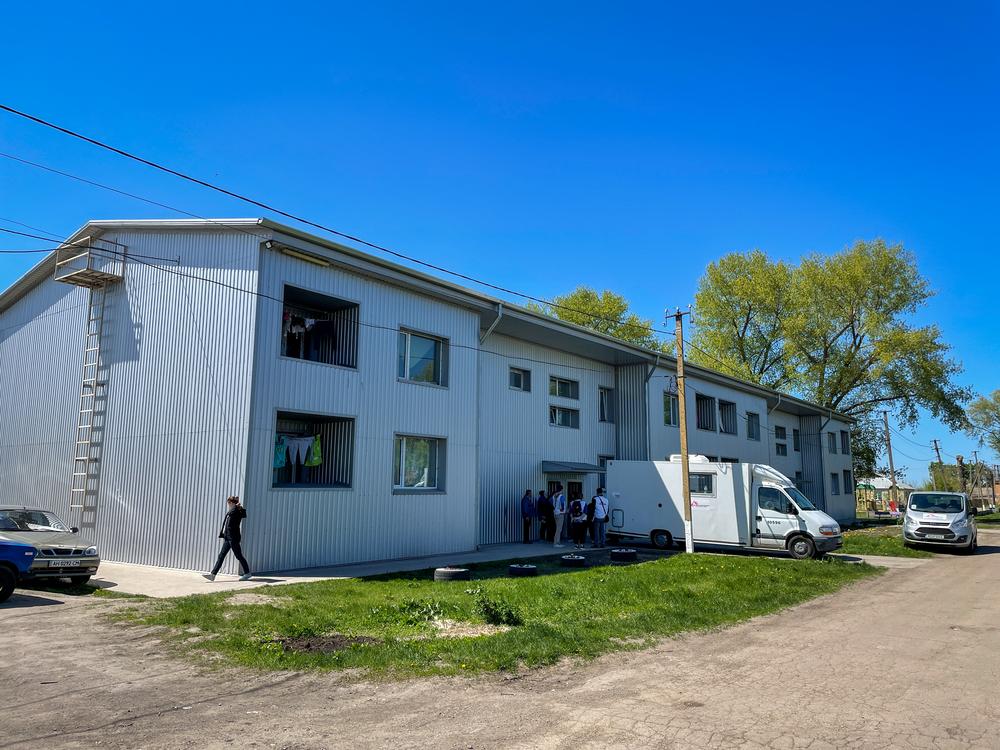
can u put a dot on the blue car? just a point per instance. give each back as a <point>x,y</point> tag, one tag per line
<point>15,561</point>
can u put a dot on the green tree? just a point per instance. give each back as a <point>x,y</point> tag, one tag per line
<point>838,332</point>
<point>605,312</point>
<point>984,420</point>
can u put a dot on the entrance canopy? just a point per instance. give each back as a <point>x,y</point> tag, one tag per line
<point>570,467</point>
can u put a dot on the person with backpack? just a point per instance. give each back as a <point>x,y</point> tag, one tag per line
<point>543,507</point>
<point>600,522</point>
<point>527,515</point>
<point>559,508</point>
<point>231,536</point>
<point>578,521</point>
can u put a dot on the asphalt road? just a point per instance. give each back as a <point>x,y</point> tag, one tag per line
<point>908,660</point>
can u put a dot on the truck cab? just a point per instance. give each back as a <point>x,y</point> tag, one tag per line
<point>785,519</point>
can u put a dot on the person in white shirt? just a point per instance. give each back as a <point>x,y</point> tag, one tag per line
<point>559,514</point>
<point>600,518</point>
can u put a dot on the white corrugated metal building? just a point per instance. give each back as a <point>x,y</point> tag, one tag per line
<point>221,351</point>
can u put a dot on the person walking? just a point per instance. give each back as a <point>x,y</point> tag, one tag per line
<point>578,521</point>
<point>231,536</point>
<point>543,506</point>
<point>600,526</point>
<point>559,515</point>
<point>527,514</point>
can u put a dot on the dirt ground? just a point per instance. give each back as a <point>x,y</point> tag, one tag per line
<point>908,660</point>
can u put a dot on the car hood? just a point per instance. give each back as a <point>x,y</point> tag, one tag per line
<point>818,518</point>
<point>46,538</point>
<point>920,516</point>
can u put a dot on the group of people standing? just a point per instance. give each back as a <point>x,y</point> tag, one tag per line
<point>553,511</point>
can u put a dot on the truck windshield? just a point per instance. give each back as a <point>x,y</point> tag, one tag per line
<point>936,502</point>
<point>801,500</point>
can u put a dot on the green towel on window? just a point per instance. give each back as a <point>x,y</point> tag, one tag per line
<point>315,455</point>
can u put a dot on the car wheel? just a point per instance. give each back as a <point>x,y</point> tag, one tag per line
<point>79,580</point>
<point>7,582</point>
<point>661,539</point>
<point>801,547</point>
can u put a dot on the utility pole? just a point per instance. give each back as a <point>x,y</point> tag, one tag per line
<point>892,467</point>
<point>975,478</point>
<point>682,414</point>
<point>960,460</point>
<point>993,484</point>
<point>937,450</point>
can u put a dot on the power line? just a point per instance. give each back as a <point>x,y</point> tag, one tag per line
<point>308,222</point>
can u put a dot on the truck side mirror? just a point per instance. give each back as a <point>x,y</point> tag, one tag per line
<point>74,530</point>
<point>973,510</point>
<point>791,510</point>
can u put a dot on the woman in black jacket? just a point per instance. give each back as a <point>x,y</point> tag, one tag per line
<point>231,536</point>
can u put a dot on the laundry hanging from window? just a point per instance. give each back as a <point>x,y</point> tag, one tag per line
<point>297,449</point>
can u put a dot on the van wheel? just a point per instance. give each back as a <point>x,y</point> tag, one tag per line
<point>801,547</point>
<point>661,539</point>
<point>970,549</point>
<point>7,583</point>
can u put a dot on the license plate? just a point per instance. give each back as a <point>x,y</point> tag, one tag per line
<point>64,563</point>
<point>934,536</point>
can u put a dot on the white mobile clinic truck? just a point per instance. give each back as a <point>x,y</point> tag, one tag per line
<point>739,505</point>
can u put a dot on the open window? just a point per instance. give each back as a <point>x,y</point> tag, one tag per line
<point>319,328</point>
<point>312,450</point>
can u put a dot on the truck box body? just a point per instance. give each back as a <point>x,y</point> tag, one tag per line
<point>744,505</point>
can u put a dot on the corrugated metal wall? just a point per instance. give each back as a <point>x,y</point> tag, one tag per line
<point>303,527</point>
<point>632,427</point>
<point>177,354</point>
<point>813,474</point>
<point>514,431</point>
<point>41,352</point>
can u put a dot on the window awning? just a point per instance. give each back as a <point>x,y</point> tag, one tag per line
<point>570,467</point>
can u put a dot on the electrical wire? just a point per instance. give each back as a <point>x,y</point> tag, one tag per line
<point>294,217</point>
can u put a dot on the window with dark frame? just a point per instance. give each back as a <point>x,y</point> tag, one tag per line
<point>671,410</point>
<point>560,416</point>
<point>796,441</point>
<point>831,442</point>
<point>701,484</point>
<point>704,412</point>
<point>602,477</point>
<point>834,483</point>
<point>845,442</point>
<point>312,451</point>
<point>564,388</point>
<point>606,399</point>
<point>781,449</point>
<point>421,358</point>
<point>319,328</point>
<point>727,417</point>
<point>753,425</point>
<point>848,482</point>
<point>780,433</point>
<point>520,379</point>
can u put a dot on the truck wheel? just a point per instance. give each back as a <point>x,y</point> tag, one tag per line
<point>661,539</point>
<point>7,583</point>
<point>801,547</point>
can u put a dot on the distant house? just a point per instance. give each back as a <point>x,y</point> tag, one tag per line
<point>878,490</point>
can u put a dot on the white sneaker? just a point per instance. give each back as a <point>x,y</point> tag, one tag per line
<point>209,576</point>
<point>245,577</point>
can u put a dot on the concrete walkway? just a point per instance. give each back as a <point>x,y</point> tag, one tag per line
<point>167,582</point>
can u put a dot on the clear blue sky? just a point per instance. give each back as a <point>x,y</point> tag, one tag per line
<point>542,147</point>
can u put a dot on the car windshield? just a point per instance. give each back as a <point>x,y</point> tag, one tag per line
<point>936,502</point>
<point>30,520</point>
<point>801,500</point>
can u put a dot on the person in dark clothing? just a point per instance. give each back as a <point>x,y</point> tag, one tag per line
<point>578,521</point>
<point>527,514</point>
<point>546,524</point>
<point>232,536</point>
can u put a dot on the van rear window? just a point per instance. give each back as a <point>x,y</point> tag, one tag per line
<point>702,484</point>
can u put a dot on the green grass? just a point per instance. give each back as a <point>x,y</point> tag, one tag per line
<point>988,518</point>
<point>886,541</point>
<point>579,614</point>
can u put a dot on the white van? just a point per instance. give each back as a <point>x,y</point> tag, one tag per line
<point>739,505</point>
<point>941,518</point>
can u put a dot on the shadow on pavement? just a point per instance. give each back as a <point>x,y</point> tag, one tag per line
<point>20,600</point>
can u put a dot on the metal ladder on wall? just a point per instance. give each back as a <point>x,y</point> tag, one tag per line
<point>90,384</point>
<point>94,264</point>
